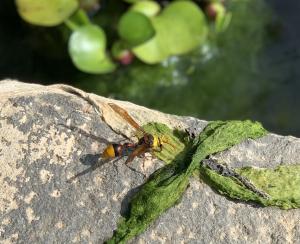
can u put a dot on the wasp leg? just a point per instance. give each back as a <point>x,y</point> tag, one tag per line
<point>127,164</point>
<point>144,160</point>
<point>152,155</point>
<point>136,171</point>
<point>137,152</point>
<point>114,164</point>
<point>149,157</point>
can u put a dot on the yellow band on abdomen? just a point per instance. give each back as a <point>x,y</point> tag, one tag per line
<point>109,152</point>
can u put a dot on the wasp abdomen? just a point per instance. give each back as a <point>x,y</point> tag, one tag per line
<point>109,151</point>
<point>117,150</point>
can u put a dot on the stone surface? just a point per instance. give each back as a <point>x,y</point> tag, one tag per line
<point>38,154</point>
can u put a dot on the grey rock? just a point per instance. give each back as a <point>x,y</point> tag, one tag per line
<point>39,153</point>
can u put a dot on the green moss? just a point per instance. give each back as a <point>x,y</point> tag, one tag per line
<point>157,195</point>
<point>281,183</point>
<point>228,186</point>
<point>165,187</point>
<point>176,138</point>
<point>221,135</point>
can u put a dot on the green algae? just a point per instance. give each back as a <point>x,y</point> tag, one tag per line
<point>178,139</point>
<point>218,136</point>
<point>165,187</point>
<point>157,195</point>
<point>227,186</point>
<point>281,183</point>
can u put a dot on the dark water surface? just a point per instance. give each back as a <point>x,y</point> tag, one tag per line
<point>250,71</point>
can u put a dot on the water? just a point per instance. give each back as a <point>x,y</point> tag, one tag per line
<point>248,72</point>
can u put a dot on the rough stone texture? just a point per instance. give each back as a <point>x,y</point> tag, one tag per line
<point>38,154</point>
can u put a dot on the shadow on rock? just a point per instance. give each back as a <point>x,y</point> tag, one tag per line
<point>93,160</point>
<point>125,205</point>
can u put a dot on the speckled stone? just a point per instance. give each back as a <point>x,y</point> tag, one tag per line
<point>38,154</point>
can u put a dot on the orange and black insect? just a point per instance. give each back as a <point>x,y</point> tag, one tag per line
<point>147,143</point>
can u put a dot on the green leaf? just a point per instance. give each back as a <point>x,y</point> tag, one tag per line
<point>186,27</point>
<point>179,29</point>
<point>87,50</point>
<point>77,19</point>
<point>135,28</point>
<point>45,12</point>
<point>153,51</point>
<point>223,21</point>
<point>148,8</point>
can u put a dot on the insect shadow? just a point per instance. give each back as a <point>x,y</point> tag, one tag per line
<point>94,161</point>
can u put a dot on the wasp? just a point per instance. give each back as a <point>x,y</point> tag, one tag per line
<point>147,143</point>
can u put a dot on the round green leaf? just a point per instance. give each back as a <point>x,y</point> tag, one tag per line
<point>148,8</point>
<point>180,28</point>
<point>153,51</point>
<point>185,25</point>
<point>87,50</point>
<point>45,12</point>
<point>135,28</point>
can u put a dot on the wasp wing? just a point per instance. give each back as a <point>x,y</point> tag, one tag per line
<point>137,152</point>
<point>123,113</point>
